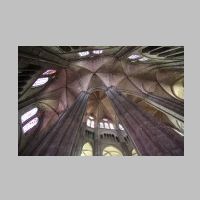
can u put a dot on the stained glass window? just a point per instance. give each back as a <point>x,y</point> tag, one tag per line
<point>106,125</point>
<point>90,117</point>
<point>97,51</point>
<point>49,72</point>
<point>92,124</point>
<point>101,125</point>
<point>87,150</point>
<point>134,152</point>
<point>88,122</point>
<point>84,53</point>
<point>178,88</point>
<point>121,127</point>
<point>112,151</point>
<point>28,114</point>
<point>111,126</point>
<point>133,57</point>
<point>40,81</point>
<point>30,124</point>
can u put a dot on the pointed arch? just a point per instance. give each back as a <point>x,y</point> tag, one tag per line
<point>111,151</point>
<point>87,150</point>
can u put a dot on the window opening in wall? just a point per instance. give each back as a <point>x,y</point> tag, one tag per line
<point>90,122</point>
<point>84,53</point>
<point>134,152</point>
<point>29,114</point>
<point>178,88</point>
<point>121,127</point>
<point>90,117</point>
<point>111,126</point>
<point>30,124</point>
<point>49,72</point>
<point>101,125</point>
<point>134,57</point>
<point>112,151</point>
<point>40,81</point>
<point>106,125</point>
<point>97,51</point>
<point>87,150</point>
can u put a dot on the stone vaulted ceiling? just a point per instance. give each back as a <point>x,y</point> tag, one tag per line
<point>95,73</point>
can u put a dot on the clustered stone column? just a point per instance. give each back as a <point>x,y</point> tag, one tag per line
<point>78,144</point>
<point>150,136</point>
<point>60,140</point>
<point>122,142</point>
<point>96,142</point>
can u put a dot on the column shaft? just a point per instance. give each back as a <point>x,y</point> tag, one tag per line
<point>150,136</point>
<point>60,139</point>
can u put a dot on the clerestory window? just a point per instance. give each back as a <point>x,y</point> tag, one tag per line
<point>29,119</point>
<point>44,78</point>
<point>90,122</point>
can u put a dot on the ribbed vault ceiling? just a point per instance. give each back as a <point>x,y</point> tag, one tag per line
<point>110,69</point>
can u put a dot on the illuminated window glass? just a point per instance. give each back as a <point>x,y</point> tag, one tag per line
<point>111,126</point>
<point>133,57</point>
<point>104,119</point>
<point>87,150</point>
<point>101,125</point>
<point>121,127</point>
<point>84,53</point>
<point>28,114</point>
<point>49,72</point>
<point>97,51</point>
<point>112,151</point>
<point>92,124</point>
<point>134,153</point>
<point>88,122</point>
<point>178,88</point>
<point>90,117</point>
<point>30,124</point>
<point>40,81</point>
<point>106,125</point>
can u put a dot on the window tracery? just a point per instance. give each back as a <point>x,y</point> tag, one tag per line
<point>97,51</point>
<point>29,119</point>
<point>87,150</point>
<point>40,81</point>
<point>44,78</point>
<point>90,122</point>
<point>29,125</point>
<point>121,127</point>
<point>84,53</point>
<point>134,152</point>
<point>106,124</point>
<point>112,151</point>
<point>29,114</point>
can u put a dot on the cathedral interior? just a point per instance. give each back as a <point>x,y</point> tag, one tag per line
<point>100,100</point>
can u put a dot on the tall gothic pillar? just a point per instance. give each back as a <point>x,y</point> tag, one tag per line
<point>150,136</point>
<point>78,144</point>
<point>122,142</point>
<point>96,142</point>
<point>60,139</point>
